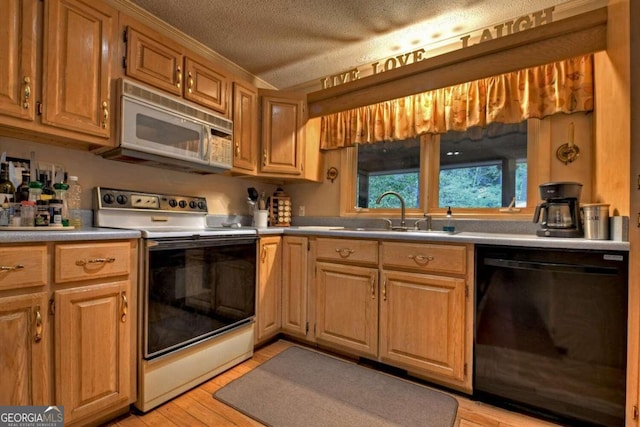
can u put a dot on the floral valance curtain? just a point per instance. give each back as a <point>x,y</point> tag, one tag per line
<point>565,86</point>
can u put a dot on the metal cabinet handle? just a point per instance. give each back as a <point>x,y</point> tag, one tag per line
<point>264,255</point>
<point>384,290</point>
<point>190,82</point>
<point>345,252</point>
<point>264,157</point>
<point>27,92</point>
<point>14,268</point>
<point>237,149</point>
<point>105,114</point>
<point>82,262</point>
<point>38,336</point>
<point>125,307</point>
<point>373,288</point>
<point>178,77</point>
<point>421,259</point>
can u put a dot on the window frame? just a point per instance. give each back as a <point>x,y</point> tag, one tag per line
<point>538,171</point>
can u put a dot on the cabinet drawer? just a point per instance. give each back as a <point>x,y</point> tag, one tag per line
<point>348,250</point>
<point>23,266</point>
<point>425,257</point>
<point>91,260</point>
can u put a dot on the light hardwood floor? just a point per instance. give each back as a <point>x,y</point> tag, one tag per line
<point>197,407</point>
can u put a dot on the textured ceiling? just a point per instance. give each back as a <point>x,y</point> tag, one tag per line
<point>289,42</point>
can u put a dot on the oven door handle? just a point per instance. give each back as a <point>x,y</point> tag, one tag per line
<point>198,243</point>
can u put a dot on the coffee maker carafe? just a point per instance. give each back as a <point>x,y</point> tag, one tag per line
<point>560,210</point>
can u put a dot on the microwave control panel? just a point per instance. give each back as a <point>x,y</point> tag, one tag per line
<point>220,151</point>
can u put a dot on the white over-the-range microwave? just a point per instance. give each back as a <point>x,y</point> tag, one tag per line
<point>157,129</point>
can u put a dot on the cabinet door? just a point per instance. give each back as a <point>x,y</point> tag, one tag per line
<point>422,323</point>
<point>24,338</point>
<point>283,117</point>
<point>294,285</point>
<point>245,128</point>
<point>269,283</point>
<point>347,307</point>
<point>18,58</point>
<point>93,348</point>
<point>154,60</point>
<point>79,43</point>
<point>205,86</point>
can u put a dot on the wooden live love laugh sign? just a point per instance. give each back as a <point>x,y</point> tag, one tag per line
<point>522,23</point>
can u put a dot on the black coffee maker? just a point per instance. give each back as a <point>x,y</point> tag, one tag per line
<point>560,210</point>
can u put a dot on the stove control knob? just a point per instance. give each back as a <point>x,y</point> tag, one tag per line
<point>192,204</point>
<point>182,204</point>
<point>108,199</point>
<point>201,205</point>
<point>173,203</point>
<point>121,199</point>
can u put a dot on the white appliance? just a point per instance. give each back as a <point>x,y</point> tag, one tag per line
<point>196,290</point>
<point>157,129</point>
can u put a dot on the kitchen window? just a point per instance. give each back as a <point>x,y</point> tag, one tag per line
<point>478,172</point>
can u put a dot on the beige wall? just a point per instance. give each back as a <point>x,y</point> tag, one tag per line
<point>225,195</point>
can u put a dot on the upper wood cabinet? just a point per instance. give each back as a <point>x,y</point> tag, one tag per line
<point>245,128</point>
<point>159,61</point>
<point>283,119</point>
<point>78,46</point>
<point>18,58</point>
<point>67,98</point>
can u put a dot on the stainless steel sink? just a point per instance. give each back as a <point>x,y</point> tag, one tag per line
<point>375,229</point>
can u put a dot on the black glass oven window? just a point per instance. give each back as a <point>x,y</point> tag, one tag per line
<point>198,292</point>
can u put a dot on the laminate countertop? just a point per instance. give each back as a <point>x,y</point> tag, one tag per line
<point>506,239</point>
<point>47,234</point>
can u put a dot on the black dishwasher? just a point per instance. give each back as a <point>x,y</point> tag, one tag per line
<point>550,333</point>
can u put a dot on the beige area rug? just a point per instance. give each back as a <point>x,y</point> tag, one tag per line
<point>300,387</point>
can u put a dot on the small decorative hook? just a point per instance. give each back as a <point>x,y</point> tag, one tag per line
<point>332,173</point>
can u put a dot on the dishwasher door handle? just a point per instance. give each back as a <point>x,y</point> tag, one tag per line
<point>550,266</point>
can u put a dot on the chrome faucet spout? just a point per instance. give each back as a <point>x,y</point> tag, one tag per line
<point>402,209</point>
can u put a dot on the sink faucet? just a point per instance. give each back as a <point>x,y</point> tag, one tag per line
<point>427,219</point>
<point>403,223</point>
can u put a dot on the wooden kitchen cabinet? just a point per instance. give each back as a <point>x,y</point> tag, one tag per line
<point>424,310</point>
<point>94,328</point>
<point>346,300</point>
<point>294,285</point>
<point>24,329</point>
<point>159,61</point>
<point>18,83</point>
<point>282,138</point>
<point>62,95</point>
<point>268,310</point>
<point>79,39</point>
<point>245,128</point>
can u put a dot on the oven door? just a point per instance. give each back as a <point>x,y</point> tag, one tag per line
<point>195,288</point>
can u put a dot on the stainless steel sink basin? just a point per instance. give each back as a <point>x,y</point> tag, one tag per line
<point>375,229</point>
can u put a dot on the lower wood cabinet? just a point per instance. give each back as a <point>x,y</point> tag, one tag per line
<point>347,307</point>
<point>67,327</point>
<point>268,310</point>
<point>295,251</point>
<point>93,372</point>
<point>24,351</point>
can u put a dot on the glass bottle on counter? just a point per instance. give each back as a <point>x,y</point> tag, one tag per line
<point>61,194</point>
<point>22,192</point>
<point>7,189</point>
<point>74,197</point>
<point>35,191</point>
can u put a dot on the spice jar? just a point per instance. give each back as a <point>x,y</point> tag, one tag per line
<point>27,213</point>
<point>55,212</point>
<point>42,213</point>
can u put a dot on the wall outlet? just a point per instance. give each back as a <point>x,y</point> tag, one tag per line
<point>301,210</point>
